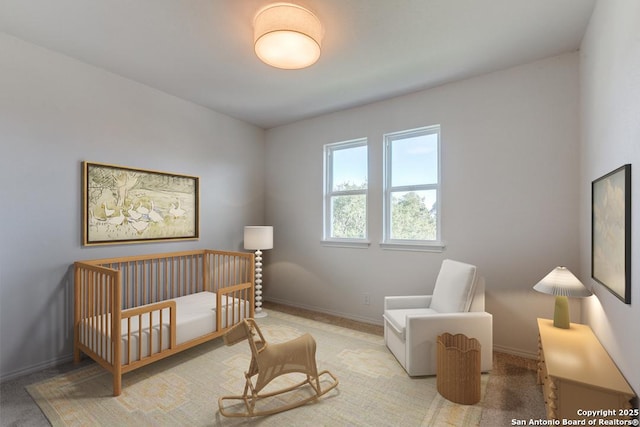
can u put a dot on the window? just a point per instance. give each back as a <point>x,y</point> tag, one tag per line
<point>412,188</point>
<point>345,194</point>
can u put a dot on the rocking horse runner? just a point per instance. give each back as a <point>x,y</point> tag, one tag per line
<point>269,361</point>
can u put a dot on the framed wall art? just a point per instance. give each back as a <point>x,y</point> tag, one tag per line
<point>611,232</point>
<point>128,205</point>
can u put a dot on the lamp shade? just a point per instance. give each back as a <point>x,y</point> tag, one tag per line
<point>562,282</point>
<point>287,36</point>
<point>258,237</point>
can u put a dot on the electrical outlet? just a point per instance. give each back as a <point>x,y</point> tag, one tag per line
<point>367,299</point>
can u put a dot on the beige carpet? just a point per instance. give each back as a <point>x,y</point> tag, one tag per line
<point>183,390</point>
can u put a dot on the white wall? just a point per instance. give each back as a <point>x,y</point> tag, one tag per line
<point>610,110</point>
<point>509,204</point>
<point>56,112</point>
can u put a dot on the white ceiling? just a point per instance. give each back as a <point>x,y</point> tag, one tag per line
<point>202,50</point>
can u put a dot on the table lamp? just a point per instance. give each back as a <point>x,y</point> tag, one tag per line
<point>562,283</point>
<point>258,237</point>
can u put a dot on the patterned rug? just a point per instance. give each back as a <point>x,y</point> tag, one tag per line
<point>183,390</point>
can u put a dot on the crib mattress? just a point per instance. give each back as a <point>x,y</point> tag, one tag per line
<point>195,317</point>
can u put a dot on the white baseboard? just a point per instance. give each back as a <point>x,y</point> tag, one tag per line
<point>515,352</point>
<point>326,311</point>
<point>35,368</point>
<point>498,348</point>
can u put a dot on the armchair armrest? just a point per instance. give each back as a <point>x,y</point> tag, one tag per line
<point>428,326</point>
<point>439,322</point>
<point>412,301</point>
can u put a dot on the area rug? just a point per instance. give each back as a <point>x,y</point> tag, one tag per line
<point>183,390</point>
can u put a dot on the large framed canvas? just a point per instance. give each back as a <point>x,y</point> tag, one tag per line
<point>127,205</point>
<point>611,232</point>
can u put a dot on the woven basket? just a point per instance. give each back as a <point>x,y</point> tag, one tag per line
<point>458,372</point>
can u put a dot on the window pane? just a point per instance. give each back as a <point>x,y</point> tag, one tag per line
<point>413,215</point>
<point>350,168</point>
<point>414,160</point>
<point>349,216</point>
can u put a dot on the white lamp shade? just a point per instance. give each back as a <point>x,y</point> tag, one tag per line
<point>562,282</point>
<point>258,237</point>
<point>287,36</point>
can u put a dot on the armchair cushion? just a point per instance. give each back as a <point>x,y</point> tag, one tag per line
<point>454,287</point>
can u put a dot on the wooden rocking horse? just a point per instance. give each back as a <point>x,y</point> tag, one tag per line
<point>269,361</point>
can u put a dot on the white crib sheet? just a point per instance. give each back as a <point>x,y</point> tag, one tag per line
<point>195,317</point>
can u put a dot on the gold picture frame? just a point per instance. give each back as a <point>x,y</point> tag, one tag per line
<point>131,205</point>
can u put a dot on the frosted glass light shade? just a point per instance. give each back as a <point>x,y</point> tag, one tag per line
<point>287,36</point>
<point>258,237</point>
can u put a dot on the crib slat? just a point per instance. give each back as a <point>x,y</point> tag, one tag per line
<point>93,317</point>
<point>150,334</point>
<point>160,331</point>
<point>143,282</point>
<point>135,285</point>
<point>183,269</point>
<point>185,274</point>
<point>101,318</point>
<point>197,263</point>
<point>105,313</point>
<point>85,303</point>
<point>116,333</point>
<point>106,287</point>
<point>139,333</point>
<point>157,281</point>
<point>234,270</point>
<point>194,279</point>
<point>128,349</point>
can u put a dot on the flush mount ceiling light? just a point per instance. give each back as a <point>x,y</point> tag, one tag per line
<point>287,36</point>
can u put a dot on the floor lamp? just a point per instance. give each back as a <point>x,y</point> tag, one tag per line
<point>257,238</point>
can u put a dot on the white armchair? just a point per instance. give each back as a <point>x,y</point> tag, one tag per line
<point>412,323</point>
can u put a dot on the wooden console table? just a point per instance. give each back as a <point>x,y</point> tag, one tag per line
<point>577,374</point>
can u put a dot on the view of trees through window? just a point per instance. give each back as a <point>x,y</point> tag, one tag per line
<point>411,217</point>
<point>349,213</point>
<point>411,187</point>
<point>346,192</point>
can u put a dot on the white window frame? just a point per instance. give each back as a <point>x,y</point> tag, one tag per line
<point>329,193</point>
<point>436,245</point>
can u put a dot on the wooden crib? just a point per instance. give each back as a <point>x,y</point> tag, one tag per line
<point>132,311</point>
